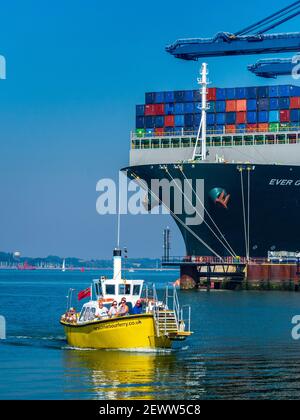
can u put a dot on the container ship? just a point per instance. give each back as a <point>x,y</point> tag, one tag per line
<point>250,171</point>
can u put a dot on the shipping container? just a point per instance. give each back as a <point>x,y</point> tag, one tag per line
<point>221,118</point>
<point>230,128</point>
<point>169,130</point>
<point>263,104</point>
<point>240,93</point>
<point>150,109</point>
<point>159,97</point>
<point>251,92</point>
<point>188,120</point>
<point>140,132</point>
<point>159,131</point>
<point>159,121</point>
<point>274,103</point>
<point>179,95</point>
<point>241,128</point>
<point>220,129</point>
<point>230,93</point>
<point>295,115</point>
<point>220,94</point>
<point>294,91</point>
<point>197,95</point>
<point>150,98</point>
<point>169,109</point>
<point>241,117</point>
<point>251,117</point>
<point>150,132</point>
<point>274,116</point>
<point>263,92</point>
<point>274,126</point>
<point>230,118</point>
<point>211,94</point>
<point>188,107</point>
<point>159,109</point>
<point>284,90</point>
<point>251,127</point>
<point>140,110</point>
<point>251,104</point>
<point>263,116</point>
<point>169,96</point>
<point>211,119</point>
<point>211,106</point>
<point>140,122</point>
<point>273,91</point>
<point>179,108</point>
<point>284,126</point>
<point>169,121</point>
<point>179,120</point>
<point>149,122</point>
<point>188,96</point>
<point>220,106</point>
<point>284,103</point>
<point>284,116</point>
<point>230,106</point>
<point>197,120</point>
<point>241,105</point>
<point>197,107</point>
<point>295,102</point>
<point>263,127</point>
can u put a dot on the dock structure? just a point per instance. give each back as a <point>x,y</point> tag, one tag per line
<point>236,273</point>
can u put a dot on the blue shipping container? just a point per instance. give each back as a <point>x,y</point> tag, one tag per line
<point>188,120</point>
<point>240,93</point>
<point>230,93</point>
<point>220,118</point>
<point>251,92</point>
<point>197,120</point>
<point>188,107</point>
<point>295,115</point>
<point>251,117</point>
<point>149,132</point>
<point>274,103</point>
<point>149,122</point>
<point>284,103</point>
<point>274,116</point>
<point>211,106</point>
<point>251,104</point>
<point>179,95</point>
<point>273,91</point>
<point>140,122</point>
<point>197,95</point>
<point>159,121</point>
<point>179,108</point>
<point>284,90</point>
<point>189,96</point>
<point>220,106</point>
<point>169,109</point>
<point>295,91</point>
<point>159,97</point>
<point>150,98</point>
<point>263,92</point>
<point>241,128</point>
<point>220,94</point>
<point>169,96</point>
<point>179,120</point>
<point>140,110</point>
<point>230,117</point>
<point>211,119</point>
<point>220,129</point>
<point>263,104</point>
<point>263,117</point>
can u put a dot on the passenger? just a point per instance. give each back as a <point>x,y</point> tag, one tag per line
<point>137,309</point>
<point>101,311</point>
<point>71,316</point>
<point>113,309</point>
<point>123,308</point>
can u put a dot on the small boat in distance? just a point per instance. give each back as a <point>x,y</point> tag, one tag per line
<point>157,324</point>
<point>63,268</point>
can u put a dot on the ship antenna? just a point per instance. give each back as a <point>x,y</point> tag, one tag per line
<point>203,81</point>
<point>117,254</point>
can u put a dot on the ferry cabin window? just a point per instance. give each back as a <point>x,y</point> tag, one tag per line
<point>98,288</point>
<point>110,289</point>
<point>136,289</point>
<point>124,289</point>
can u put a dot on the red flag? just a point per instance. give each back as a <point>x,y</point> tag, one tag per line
<point>84,293</point>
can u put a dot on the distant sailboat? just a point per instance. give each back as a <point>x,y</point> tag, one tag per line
<point>63,268</point>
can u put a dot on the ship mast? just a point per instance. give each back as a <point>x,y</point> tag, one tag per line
<point>202,127</point>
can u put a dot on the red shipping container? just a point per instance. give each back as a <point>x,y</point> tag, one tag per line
<point>159,131</point>
<point>230,106</point>
<point>150,110</point>
<point>159,109</point>
<point>263,127</point>
<point>211,94</point>
<point>169,121</point>
<point>285,115</point>
<point>241,117</point>
<point>241,105</point>
<point>251,127</point>
<point>295,102</point>
<point>230,128</point>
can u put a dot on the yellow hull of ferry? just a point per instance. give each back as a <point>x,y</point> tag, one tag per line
<point>130,332</point>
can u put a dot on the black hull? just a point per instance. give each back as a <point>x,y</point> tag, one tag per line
<point>274,216</point>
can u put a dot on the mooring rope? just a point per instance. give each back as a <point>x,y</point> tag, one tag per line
<point>244,213</point>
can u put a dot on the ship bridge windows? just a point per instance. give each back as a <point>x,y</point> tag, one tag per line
<point>110,289</point>
<point>124,289</point>
<point>259,139</point>
<point>165,143</point>
<point>175,142</point>
<point>136,289</point>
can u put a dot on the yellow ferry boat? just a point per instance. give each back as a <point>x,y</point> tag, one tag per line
<point>159,324</point>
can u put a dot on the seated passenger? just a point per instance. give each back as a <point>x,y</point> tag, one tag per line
<point>113,309</point>
<point>101,311</point>
<point>123,308</point>
<point>71,316</point>
<point>137,309</point>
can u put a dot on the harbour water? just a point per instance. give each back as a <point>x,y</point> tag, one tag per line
<point>242,346</point>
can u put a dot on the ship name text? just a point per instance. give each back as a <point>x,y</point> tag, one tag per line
<point>285,182</point>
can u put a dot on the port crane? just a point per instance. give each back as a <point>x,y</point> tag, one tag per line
<point>273,67</point>
<point>250,40</point>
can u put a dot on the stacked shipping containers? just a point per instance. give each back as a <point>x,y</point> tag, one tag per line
<point>231,110</point>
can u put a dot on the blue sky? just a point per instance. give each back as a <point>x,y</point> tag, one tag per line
<point>75,70</point>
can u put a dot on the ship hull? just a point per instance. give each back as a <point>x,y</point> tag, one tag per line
<point>261,215</point>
